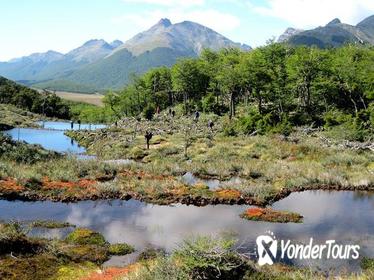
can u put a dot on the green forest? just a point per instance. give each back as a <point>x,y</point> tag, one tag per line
<point>269,89</point>
<point>47,104</point>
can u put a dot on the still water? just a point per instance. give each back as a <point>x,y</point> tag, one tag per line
<point>52,137</point>
<point>346,217</point>
<point>49,139</point>
<point>67,126</point>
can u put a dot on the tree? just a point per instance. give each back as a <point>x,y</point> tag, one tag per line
<point>159,88</point>
<point>275,56</point>
<point>112,100</point>
<point>350,71</point>
<point>230,77</point>
<point>189,80</point>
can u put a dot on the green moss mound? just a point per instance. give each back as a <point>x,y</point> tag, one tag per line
<point>83,236</point>
<point>120,249</point>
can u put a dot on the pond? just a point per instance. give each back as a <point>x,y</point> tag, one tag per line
<point>346,217</point>
<point>213,184</point>
<point>67,126</point>
<point>52,136</point>
<point>49,139</point>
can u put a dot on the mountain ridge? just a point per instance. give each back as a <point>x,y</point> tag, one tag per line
<point>102,65</point>
<point>335,34</point>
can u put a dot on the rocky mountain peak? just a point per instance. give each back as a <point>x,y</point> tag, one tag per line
<point>334,21</point>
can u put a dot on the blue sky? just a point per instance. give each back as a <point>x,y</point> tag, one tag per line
<point>29,26</point>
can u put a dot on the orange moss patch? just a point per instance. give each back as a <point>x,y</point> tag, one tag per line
<point>82,184</point>
<point>254,212</point>
<point>10,185</point>
<point>228,194</point>
<point>86,185</point>
<point>111,273</point>
<point>270,215</point>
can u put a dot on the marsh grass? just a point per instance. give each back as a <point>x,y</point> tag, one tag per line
<point>265,164</point>
<point>216,258</point>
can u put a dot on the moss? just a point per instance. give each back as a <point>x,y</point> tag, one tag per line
<point>75,271</point>
<point>270,215</point>
<point>83,236</point>
<point>50,224</point>
<point>120,249</point>
<point>83,253</point>
<point>36,267</point>
<point>367,264</point>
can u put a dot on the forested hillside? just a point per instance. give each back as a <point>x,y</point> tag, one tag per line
<point>23,97</point>
<point>276,88</point>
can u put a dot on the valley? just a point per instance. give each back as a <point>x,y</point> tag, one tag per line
<point>93,98</point>
<point>181,154</point>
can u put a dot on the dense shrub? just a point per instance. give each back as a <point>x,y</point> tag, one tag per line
<point>149,112</point>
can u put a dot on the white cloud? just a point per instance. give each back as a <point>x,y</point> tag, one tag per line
<point>218,21</point>
<point>170,3</point>
<point>310,13</point>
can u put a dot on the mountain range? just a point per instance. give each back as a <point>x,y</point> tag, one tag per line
<point>334,34</point>
<point>98,65</point>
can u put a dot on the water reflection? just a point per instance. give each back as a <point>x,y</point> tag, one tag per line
<point>192,180</point>
<point>336,215</point>
<point>67,126</point>
<point>49,139</point>
<point>212,184</point>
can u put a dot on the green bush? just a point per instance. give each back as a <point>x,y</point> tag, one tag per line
<point>335,117</point>
<point>251,122</point>
<point>230,130</point>
<point>210,258</point>
<point>283,127</point>
<point>149,112</point>
<point>209,104</point>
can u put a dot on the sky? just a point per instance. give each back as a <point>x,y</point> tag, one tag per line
<point>29,26</point>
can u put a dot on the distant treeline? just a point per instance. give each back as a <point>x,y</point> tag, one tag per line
<point>279,86</point>
<point>47,104</point>
<point>50,105</point>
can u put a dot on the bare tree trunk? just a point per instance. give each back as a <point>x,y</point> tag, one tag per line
<point>353,102</point>
<point>363,102</point>
<point>185,103</point>
<point>231,105</point>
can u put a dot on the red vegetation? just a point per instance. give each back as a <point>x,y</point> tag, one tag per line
<point>82,184</point>
<point>110,273</point>
<point>270,215</point>
<point>254,212</point>
<point>10,185</point>
<point>228,194</point>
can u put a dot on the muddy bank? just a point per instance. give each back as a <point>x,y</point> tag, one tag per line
<point>165,199</point>
<point>87,190</point>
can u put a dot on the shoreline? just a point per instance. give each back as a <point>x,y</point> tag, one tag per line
<point>169,199</point>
